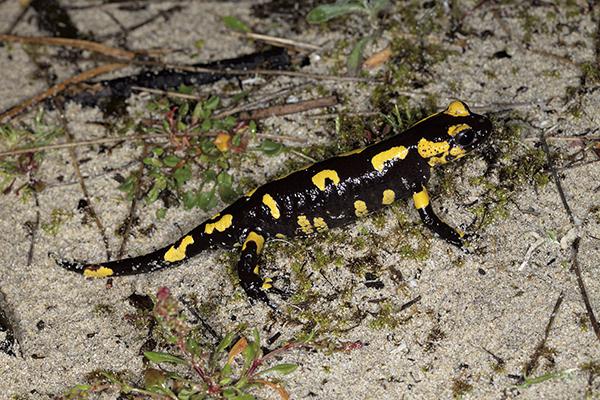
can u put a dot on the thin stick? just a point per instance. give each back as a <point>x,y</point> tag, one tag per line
<point>82,185</point>
<point>245,107</point>
<point>133,205</point>
<point>292,108</point>
<point>34,228</point>
<point>582,290</point>
<point>59,87</point>
<point>277,41</point>
<point>557,181</point>
<point>533,361</point>
<point>76,43</point>
<point>575,245</point>
<point>167,93</point>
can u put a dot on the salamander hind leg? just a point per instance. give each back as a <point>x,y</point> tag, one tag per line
<point>437,226</point>
<point>253,284</point>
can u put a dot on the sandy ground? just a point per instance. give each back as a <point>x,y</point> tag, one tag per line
<point>472,306</point>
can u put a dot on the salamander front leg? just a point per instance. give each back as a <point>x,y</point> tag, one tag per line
<point>247,268</point>
<point>440,228</point>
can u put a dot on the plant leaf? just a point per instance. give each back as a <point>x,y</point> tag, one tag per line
<point>325,12</point>
<point>182,175</point>
<point>171,160</point>
<point>270,147</point>
<point>227,193</point>
<point>283,369</point>
<point>159,357</point>
<point>356,55</point>
<point>225,342</point>
<point>235,24</point>
<point>153,162</point>
<point>212,103</point>
<point>237,348</point>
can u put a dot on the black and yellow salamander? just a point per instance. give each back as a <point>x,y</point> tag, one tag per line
<point>325,195</point>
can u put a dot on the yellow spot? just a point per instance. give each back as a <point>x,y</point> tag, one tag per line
<point>454,129</point>
<point>320,178</point>
<point>433,161</point>
<point>421,199</point>
<point>349,153</point>
<point>429,149</point>
<point>256,270</point>
<point>280,236</point>
<point>360,208</point>
<point>259,240</point>
<point>272,204</point>
<point>388,155</point>
<point>388,197</point>
<point>97,271</point>
<point>220,225</point>
<point>178,253</point>
<point>305,224</point>
<point>457,152</point>
<point>251,192</point>
<point>223,141</point>
<point>267,284</point>
<point>320,224</point>
<point>457,109</point>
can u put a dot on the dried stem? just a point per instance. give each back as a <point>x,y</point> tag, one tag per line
<point>291,108</point>
<point>94,47</point>
<point>83,186</point>
<point>533,361</point>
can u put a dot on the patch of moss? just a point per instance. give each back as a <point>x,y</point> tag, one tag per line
<point>103,310</point>
<point>434,337</point>
<point>388,317</point>
<point>58,217</point>
<point>460,387</point>
<point>412,60</point>
<point>511,169</point>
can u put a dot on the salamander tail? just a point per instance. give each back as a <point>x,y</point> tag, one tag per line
<point>166,257</point>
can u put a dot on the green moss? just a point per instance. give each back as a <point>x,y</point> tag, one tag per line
<point>460,387</point>
<point>551,73</point>
<point>434,337</point>
<point>590,73</point>
<point>103,310</point>
<point>388,317</point>
<point>412,59</point>
<point>512,169</point>
<point>58,217</point>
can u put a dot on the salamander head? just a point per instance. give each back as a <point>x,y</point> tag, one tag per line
<point>451,134</point>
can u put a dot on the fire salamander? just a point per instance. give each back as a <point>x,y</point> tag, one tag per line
<point>325,195</point>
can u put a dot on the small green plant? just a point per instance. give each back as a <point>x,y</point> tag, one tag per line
<point>370,8</point>
<point>201,144</point>
<point>12,136</point>
<point>232,370</point>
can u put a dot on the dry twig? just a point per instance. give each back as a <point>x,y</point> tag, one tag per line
<point>277,41</point>
<point>86,194</point>
<point>539,349</point>
<point>94,47</point>
<point>576,242</point>
<point>133,205</point>
<point>292,108</point>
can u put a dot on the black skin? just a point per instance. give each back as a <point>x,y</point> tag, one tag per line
<point>297,195</point>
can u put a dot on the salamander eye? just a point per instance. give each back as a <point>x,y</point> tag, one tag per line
<point>465,138</point>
